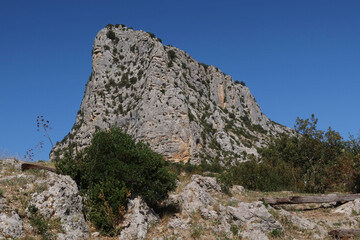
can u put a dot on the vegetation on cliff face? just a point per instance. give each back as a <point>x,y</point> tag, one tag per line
<point>113,168</point>
<point>185,110</point>
<point>314,161</point>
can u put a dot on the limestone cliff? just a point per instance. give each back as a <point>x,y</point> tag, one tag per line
<point>184,109</point>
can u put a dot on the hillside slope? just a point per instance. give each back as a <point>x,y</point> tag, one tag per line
<point>184,109</point>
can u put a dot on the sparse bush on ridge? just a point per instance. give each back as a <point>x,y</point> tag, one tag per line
<point>171,55</point>
<point>111,34</point>
<point>113,168</point>
<point>314,162</point>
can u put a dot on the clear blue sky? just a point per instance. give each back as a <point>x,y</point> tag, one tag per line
<point>297,57</point>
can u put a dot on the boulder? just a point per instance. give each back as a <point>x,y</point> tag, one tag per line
<point>177,223</point>
<point>60,199</point>
<point>299,222</point>
<point>10,225</point>
<point>254,218</point>
<point>137,220</point>
<point>196,194</point>
<point>351,208</point>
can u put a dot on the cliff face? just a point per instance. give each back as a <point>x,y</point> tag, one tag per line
<point>184,109</point>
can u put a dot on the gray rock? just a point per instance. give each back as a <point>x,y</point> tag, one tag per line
<point>11,226</point>
<point>254,218</point>
<point>304,224</point>
<point>138,218</point>
<point>225,221</point>
<point>177,223</point>
<point>301,223</point>
<point>162,96</point>
<point>196,194</point>
<point>208,214</point>
<point>11,162</point>
<point>61,200</point>
<point>236,189</point>
<point>206,183</point>
<point>255,234</point>
<point>351,208</point>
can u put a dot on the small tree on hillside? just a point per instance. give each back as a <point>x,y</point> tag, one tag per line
<point>113,168</point>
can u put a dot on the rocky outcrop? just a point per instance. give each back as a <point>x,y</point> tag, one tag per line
<point>10,224</point>
<point>137,220</point>
<point>350,209</point>
<point>160,95</point>
<point>203,195</point>
<point>254,218</point>
<point>37,202</point>
<point>61,200</point>
<point>196,194</point>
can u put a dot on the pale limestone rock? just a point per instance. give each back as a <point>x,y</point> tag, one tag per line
<point>254,218</point>
<point>11,225</point>
<point>208,214</point>
<point>225,221</point>
<point>177,223</point>
<point>299,222</point>
<point>138,218</point>
<point>61,199</point>
<point>350,209</point>
<point>160,95</point>
<point>255,234</point>
<point>236,189</point>
<point>196,194</point>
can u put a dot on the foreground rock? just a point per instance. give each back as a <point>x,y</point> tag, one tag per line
<point>254,218</point>
<point>137,220</point>
<point>198,209</point>
<point>201,199</point>
<point>61,200</point>
<point>196,194</point>
<point>39,203</point>
<point>11,225</point>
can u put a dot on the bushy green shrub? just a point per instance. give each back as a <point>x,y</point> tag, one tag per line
<point>171,55</point>
<point>106,203</point>
<point>225,180</point>
<point>313,161</point>
<point>40,224</point>
<point>111,35</point>
<point>113,168</point>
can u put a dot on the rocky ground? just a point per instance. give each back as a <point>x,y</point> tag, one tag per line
<point>36,204</point>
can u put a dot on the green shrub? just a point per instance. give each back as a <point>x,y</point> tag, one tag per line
<point>277,233</point>
<point>171,55</point>
<point>313,161</point>
<point>133,80</point>
<point>109,26</point>
<point>111,35</point>
<point>106,201</point>
<point>111,168</point>
<point>152,35</point>
<point>225,180</point>
<point>40,224</point>
<point>191,115</point>
<point>197,230</point>
<point>205,66</point>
